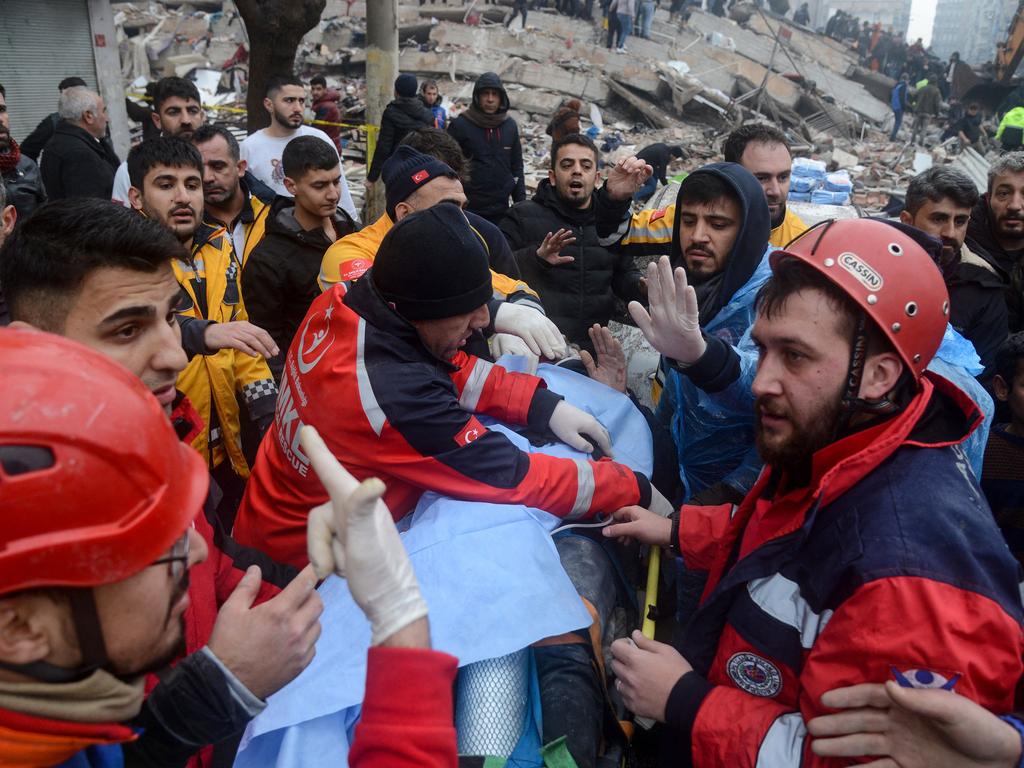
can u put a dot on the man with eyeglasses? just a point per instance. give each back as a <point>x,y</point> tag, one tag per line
<point>95,557</point>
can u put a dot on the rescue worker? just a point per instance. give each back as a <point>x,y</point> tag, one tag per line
<point>939,203</point>
<point>764,151</point>
<point>414,181</point>
<point>232,197</point>
<point>1010,133</point>
<point>166,175</point>
<point>101,275</point>
<point>831,571</point>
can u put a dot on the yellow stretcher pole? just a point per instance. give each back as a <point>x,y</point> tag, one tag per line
<point>651,596</point>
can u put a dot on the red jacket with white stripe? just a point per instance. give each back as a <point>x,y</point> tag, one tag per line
<point>886,564</point>
<point>388,408</point>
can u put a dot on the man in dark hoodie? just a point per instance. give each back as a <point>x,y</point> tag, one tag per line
<point>717,230</point>
<point>490,139</point>
<point>406,113</point>
<point>939,202</point>
<point>554,239</point>
<point>997,225</point>
<point>279,281</point>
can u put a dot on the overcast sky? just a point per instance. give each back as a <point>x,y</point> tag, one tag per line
<point>922,14</point>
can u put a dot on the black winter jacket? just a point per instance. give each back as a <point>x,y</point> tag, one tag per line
<point>24,186</point>
<point>578,294</point>
<point>404,114</point>
<point>977,309</point>
<point>495,156</point>
<point>279,279</point>
<point>75,164</point>
<point>1009,264</point>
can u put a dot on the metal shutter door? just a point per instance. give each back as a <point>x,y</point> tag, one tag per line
<point>41,43</point>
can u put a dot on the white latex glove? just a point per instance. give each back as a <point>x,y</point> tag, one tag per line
<point>673,325</point>
<point>354,536</point>
<point>540,334</point>
<point>507,344</point>
<point>570,424</point>
<point>659,504</point>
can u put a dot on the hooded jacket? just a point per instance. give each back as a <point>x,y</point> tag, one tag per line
<point>977,308</point>
<point>279,281</point>
<point>712,425</point>
<point>404,114</point>
<point>77,164</point>
<point>388,407</point>
<point>846,579</point>
<point>1010,264</point>
<point>581,293</point>
<point>495,156</point>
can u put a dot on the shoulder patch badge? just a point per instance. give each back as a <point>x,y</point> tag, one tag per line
<point>754,674</point>
<point>659,214</point>
<point>924,678</point>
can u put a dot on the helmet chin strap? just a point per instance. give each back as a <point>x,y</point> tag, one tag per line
<point>90,640</point>
<point>852,403</point>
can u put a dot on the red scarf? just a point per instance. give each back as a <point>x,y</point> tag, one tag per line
<point>9,159</point>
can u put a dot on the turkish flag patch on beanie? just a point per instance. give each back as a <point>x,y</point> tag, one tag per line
<point>420,176</point>
<point>471,431</point>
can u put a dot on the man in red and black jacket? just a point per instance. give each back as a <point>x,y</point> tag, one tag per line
<point>101,274</point>
<point>865,552</point>
<point>381,373</point>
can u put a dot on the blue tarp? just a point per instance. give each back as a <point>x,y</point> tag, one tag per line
<point>489,573</point>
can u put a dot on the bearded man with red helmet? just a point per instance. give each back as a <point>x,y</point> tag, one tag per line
<point>865,551</point>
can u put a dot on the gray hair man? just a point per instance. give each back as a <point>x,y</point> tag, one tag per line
<point>75,162</point>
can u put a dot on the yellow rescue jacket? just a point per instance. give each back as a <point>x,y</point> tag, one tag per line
<point>792,226</point>
<point>252,219</point>
<point>211,279</point>
<point>353,254</point>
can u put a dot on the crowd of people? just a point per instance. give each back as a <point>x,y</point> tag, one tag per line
<point>221,385</point>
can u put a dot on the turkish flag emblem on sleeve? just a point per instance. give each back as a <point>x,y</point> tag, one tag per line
<point>470,431</point>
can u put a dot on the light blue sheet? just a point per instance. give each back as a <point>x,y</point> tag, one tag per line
<point>489,573</point>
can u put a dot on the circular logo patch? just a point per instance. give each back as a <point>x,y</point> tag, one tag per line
<point>754,674</point>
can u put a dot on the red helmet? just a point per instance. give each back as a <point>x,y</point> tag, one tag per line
<point>888,275</point>
<point>94,483</point>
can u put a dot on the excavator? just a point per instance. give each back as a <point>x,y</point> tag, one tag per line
<point>998,81</point>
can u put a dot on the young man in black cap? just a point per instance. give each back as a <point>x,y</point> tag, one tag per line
<point>490,139</point>
<point>406,113</point>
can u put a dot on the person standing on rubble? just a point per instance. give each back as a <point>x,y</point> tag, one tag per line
<point>764,151</point>
<point>624,11</point>
<point>926,107</point>
<point>899,100</point>
<point>405,113</point>
<point>490,139</point>
<point>431,97</point>
<point>325,108</point>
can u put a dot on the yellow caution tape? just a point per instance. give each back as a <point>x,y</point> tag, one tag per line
<point>651,598</point>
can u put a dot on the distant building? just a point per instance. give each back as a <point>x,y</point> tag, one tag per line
<point>976,40</point>
<point>888,13</point>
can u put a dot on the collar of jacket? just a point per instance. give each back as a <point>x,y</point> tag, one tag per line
<point>70,129</point>
<point>207,234</point>
<point>281,220</point>
<point>258,196</point>
<point>940,415</point>
<point>28,742</point>
<point>548,196</point>
<point>364,299</point>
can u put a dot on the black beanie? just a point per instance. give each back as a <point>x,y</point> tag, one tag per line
<point>405,84</point>
<point>433,264</point>
<point>406,171</point>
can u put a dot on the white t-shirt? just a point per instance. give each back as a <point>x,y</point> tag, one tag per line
<point>263,154</point>
<point>121,186</point>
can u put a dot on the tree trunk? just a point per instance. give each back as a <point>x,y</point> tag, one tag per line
<point>275,29</point>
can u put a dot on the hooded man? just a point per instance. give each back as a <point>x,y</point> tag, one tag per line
<point>490,139</point>
<point>405,113</point>
<point>717,230</point>
<point>865,552</point>
<point>997,225</point>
